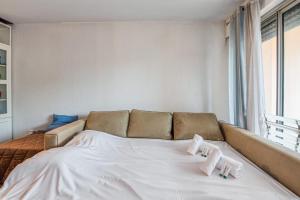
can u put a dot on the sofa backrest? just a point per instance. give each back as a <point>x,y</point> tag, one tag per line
<point>156,125</point>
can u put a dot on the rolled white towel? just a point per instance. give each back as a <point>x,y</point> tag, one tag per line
<point>210,163</point>
<point>205,148</point>
<point>230,166</point>
<point>198,144</point>
<point>194,146</point>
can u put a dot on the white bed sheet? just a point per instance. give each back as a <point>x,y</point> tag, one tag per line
<point>101,166</point>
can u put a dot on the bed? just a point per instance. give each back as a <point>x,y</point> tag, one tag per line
<point>97,165</point>
<point>16,151</point>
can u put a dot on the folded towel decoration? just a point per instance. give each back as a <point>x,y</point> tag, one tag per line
<point>215,158</point>
<point>199,145</point>
<point>196,142</point>
<point>211,161</point>
<point>224,172</point>
<point>205,148</point>
<point>234,167</point>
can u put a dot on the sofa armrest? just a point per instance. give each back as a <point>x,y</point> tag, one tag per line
<point>60,136</point>
<point>281,163</point>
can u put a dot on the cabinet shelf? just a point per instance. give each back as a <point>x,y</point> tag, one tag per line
<point>1,65</point>
<point>3,99</point>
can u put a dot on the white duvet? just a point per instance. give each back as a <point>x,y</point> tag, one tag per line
<point>96,165</point>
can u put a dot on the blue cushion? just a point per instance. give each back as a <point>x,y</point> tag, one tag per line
<point>61,120</point>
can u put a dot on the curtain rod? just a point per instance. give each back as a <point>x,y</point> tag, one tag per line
<point>248,1</point>
<point>242,5</point>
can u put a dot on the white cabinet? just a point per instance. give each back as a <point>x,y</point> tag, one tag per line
<point>5,129</point>
<point>5,83</point>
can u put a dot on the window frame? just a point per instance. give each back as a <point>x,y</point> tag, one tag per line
<point>277,13</point>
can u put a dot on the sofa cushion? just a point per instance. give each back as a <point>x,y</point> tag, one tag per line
<point>148,124</point>
<point>61,120</point>
<point>204,124</point>
<point>114,122</point>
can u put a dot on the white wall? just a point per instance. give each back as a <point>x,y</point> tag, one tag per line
<point>73,68</point>
<point>267,5</point>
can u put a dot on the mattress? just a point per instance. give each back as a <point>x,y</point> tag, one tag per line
<point>96,165</point>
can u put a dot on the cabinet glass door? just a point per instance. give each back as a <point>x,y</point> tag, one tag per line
<point>3,57</point>
<point>3,81</point>
<point>3,98</point>
<point>4,34</point>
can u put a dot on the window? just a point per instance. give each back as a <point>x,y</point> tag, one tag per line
<point>281,62</point>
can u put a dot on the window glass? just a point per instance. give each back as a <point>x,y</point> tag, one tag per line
<point>291,57</point>
<point>269,55</point>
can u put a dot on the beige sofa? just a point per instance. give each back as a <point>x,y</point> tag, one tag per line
<point>279,162</point>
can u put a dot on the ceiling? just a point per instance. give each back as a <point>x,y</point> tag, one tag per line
<point>37,11</point>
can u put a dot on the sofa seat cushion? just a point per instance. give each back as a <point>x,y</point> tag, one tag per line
<point>113,122</point>
<point>188,124</point>
<point>148,124</point>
